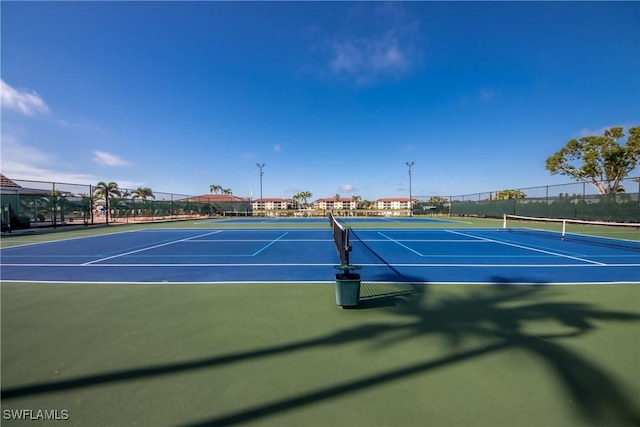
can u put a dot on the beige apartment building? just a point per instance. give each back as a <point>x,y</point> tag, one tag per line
<point>275,204</point>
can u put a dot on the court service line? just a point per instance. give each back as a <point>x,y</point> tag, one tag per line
<point>150,247</point>
<point>526,247</point>
<point>427,240</point>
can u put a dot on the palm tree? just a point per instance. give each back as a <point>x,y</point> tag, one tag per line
<point>357,200</point>
<point>142,193</point>
<point>226,191</point>
<point>296,199</point>
<point>305,196</point>
<point>104,191</point>
<point>215,188</point>
<point>301,199</point>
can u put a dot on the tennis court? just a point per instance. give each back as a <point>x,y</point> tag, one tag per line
<point>236,323</point>
<point>414,255</point>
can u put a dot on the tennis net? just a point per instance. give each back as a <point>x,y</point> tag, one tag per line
<point>617,234</point>
<point>341,239</point>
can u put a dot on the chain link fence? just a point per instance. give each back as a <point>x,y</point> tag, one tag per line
<point>38,203</point>
<point>578,200</point>
<point>30,204</point>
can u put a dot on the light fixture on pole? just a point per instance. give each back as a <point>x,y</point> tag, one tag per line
<point>260,165</point>
<point>410,164</point>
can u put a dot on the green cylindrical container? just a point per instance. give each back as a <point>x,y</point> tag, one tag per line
<point>347,289</point>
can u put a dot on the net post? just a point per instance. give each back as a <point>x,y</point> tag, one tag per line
<point>504,221</point>
<point>564,228</point>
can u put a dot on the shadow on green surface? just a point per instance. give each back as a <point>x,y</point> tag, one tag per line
<point>500,316</point>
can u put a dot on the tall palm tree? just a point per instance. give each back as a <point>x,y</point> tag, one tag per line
<point>305,196</point>
<point>297,200</point>
<point>142,193</point>
<point>357,200</point>
<point>226,191</point>
<point>104,191</point>
<point>215,188</point>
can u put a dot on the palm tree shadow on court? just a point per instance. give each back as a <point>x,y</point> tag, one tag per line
<point>500,317</point>
<point>488,313</point>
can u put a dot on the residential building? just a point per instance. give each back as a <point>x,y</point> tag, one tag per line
<point>273,203</point>
<point>330,203</point>
<point>216,198</point>
<point>394,203</point>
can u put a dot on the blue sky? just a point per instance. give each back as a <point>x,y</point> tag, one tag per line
<point>333,97</point>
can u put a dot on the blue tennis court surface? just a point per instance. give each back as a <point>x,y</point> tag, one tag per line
<point>323,220</point>
<point>452,255</point>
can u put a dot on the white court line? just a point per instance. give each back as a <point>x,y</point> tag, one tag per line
<point>309,282</point>
<point>270,244</point>
<point>259,240</point>
<point>150,247</point>
<point>398,243</point>
<point>427,240</point>
<point>46,242</point>
<point>526,247</point>
<point>180,265</point>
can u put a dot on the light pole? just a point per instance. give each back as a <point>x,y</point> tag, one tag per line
<point>261,165</point>
<point>410,164</point>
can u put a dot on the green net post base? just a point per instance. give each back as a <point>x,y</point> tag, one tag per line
<point>347,286</point>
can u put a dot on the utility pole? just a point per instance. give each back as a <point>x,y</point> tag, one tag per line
<point>261,166</point>
<point>410,164</point>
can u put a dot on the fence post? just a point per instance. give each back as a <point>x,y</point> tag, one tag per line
<point>54,207</point>
<point>91,203</point>
<point>584,200</point>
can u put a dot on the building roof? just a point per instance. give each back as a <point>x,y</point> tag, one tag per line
<point>211,198</point>
<point>333,200</point>
<point>272,199</point>
<point>396,199</point>
<point>6,182</point>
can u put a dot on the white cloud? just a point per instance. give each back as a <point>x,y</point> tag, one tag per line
<point>15,152</point>
<point>25,102</point>
<point>277,148</point>
<point>23,162</point>
<point>368,59</point>
<point>108,159</point>
<point>348,188</point>
<point>388,51</point>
